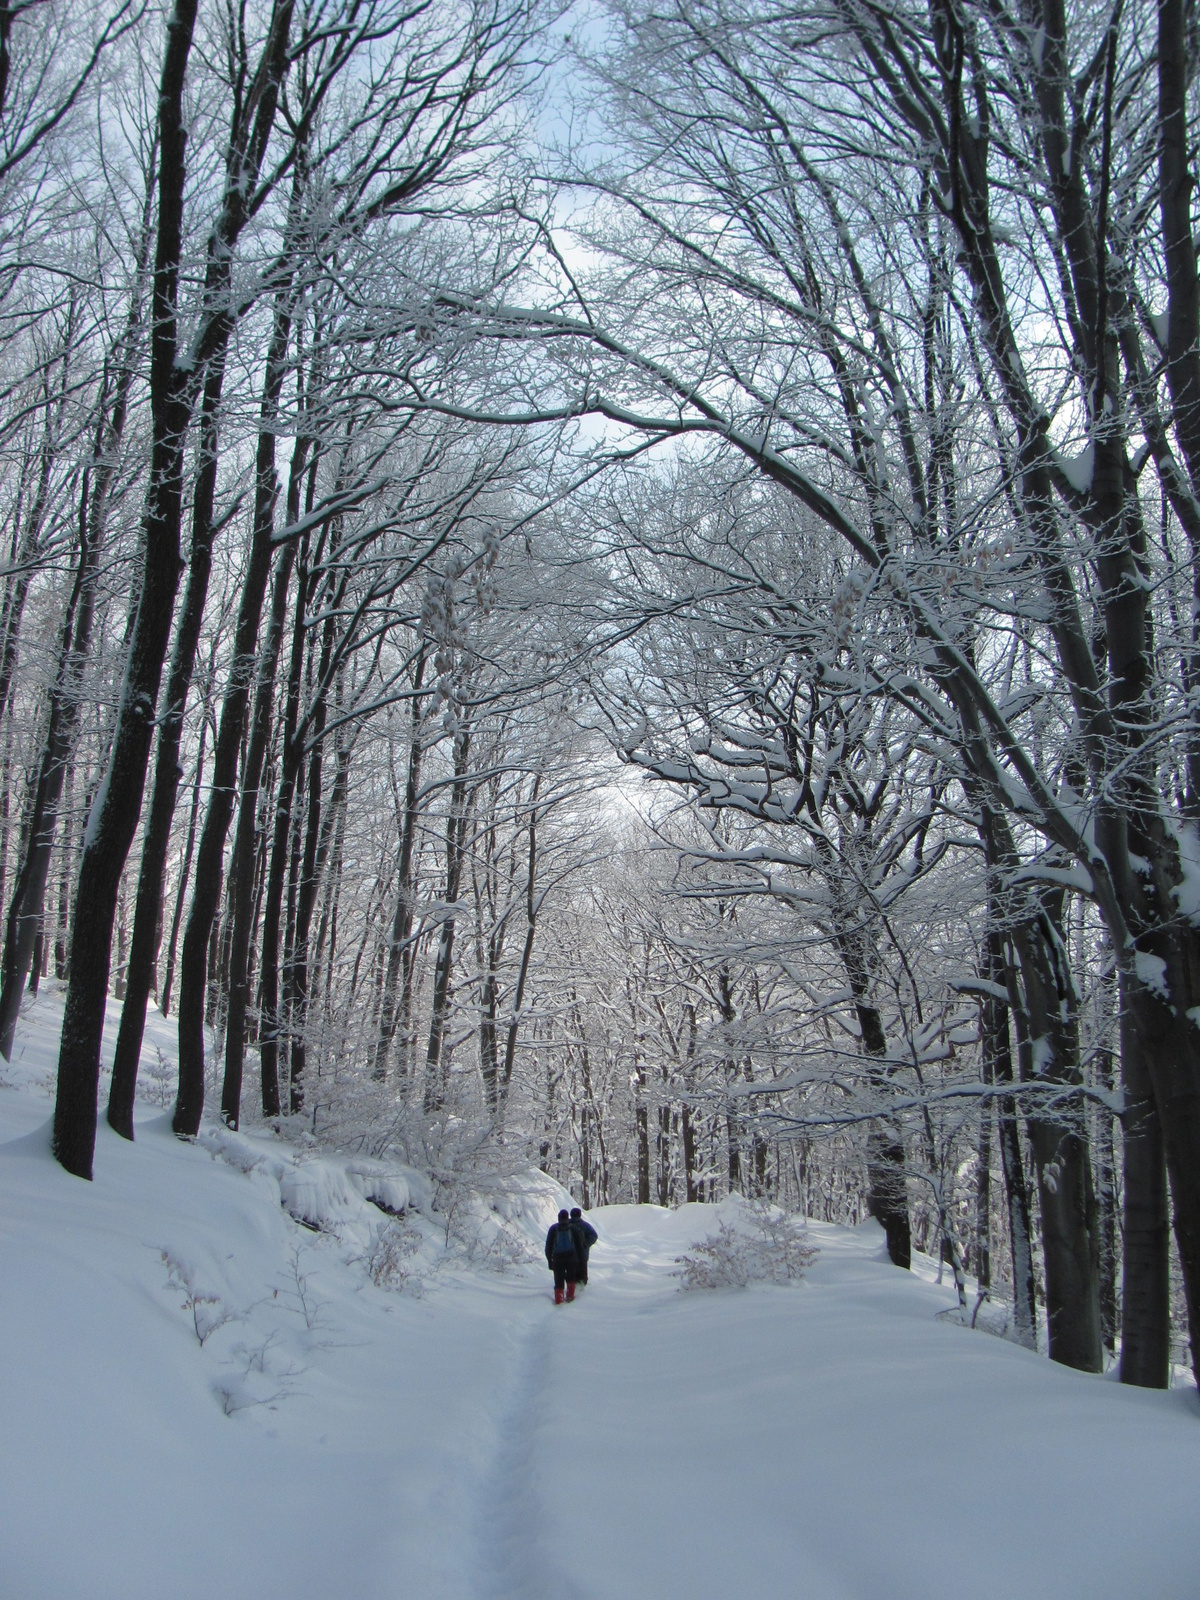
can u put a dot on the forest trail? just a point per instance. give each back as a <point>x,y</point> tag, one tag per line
<point>206,1398</point>
<point>830,1440</point>
<point>510,1559</point>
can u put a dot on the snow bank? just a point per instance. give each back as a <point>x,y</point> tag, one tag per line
<point>206,1396</point>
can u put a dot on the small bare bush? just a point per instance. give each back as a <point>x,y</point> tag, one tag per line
<point>390,1258</point>
<point>497,1247</point>
<point>298,1294</point>
<point>208,1311</point>
<point>768,1247</point>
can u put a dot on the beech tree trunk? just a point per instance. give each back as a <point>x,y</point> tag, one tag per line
<point>242,864</point>
<point>185,870</point>
<point>399,947</point>
<point>147,917</point>
<point>532,904</point>
<point>193,967</point>
<point>456,830</point>
<point>116,807</point>
<point>291,753</point>
<point>996,1047</point>
<point>1060,1156</point>
<point>1146,1028</point>
<point>25,915</point>
<point>296,972</point>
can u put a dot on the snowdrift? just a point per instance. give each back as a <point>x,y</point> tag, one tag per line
<point>243,1368</point>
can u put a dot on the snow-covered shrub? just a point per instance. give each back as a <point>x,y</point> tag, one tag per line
<point>208,1311</point>
<point>493,1243</point>
<point>390,1190</point>
<point>785,1243</point>
<point>320,1194</point>
<point>717,1262</point>
<point>390,1258</point>
<point>476,1231</point>
<point>298,1294</point>
<point>765,1246</point>
<point>157,1080</point>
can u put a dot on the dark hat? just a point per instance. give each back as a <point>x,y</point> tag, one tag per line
<point>575,1211</point>
<point>562,1217</point>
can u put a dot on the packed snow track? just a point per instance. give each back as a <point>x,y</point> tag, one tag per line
<point>204,1398</point>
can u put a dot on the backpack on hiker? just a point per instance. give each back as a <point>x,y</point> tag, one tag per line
<point>564,1243</point>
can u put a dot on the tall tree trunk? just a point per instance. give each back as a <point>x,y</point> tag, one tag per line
<point>687,1128</point>
<point>315,845</point>
<point>983,1203</point>
<point>185,868</point>
<point>26,919</point>
<point>193,967</point>
<point>1105,1162</point>
<point>29,519</point>
<point>662,1151</point>
<point>1146,1028</point>
<point>887,1187</point>
<point>1044,1007</point>
<point>456,830</point>
<point>998,1069</point>
<point>116,807</point>
<point>174,380</point>
<point>29,891</point>
<point>66,857</point>
<point>402,919</point>
<point>242,863</point>
<point>147,919</point>
<point>642,1125</point>
<point>1060,1156</point>
<point>292,752</point>
<point>532,904</point>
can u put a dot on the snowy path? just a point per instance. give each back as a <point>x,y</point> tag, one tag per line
<point>833,1441</point>
<point>829,1440</point>
<point>510,1555</point>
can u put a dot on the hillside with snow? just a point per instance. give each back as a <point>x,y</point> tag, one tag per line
<point>253,1368</point>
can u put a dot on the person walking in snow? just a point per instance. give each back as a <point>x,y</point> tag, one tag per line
<point>585,1238</point>
<point>562,1257</point>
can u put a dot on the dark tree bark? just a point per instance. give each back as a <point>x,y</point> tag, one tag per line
<point>241,870</point>
<point>1060,1156</point>
<point>399,944</point>
<point>1105,1162</point>
<point>1146,1028</point>
<point>185,869</point>
<point>662,1151</point>
<point>456,833</point>
<point>887,1188</point>
<point>24,924</point>
<point>532,904</point>
<point>147,918</point>
<point>193,969</point>
<point>311,866</point>
<point>26,919</point>
<point>642,1125</point>
<point>115,809</point>
<point>173,390</point>
<point>983,1203</point>
<point>291,754</point>
<point>998,1069</point>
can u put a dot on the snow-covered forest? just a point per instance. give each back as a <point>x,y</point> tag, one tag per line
<point>611,590</point>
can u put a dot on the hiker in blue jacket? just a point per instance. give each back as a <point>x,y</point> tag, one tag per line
<point>585,1238</point>
<point>562,1257</point>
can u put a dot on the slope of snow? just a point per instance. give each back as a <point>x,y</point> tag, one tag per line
<point>203,1396</point>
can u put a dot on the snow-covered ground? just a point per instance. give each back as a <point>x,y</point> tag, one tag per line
<point>202,1397</point>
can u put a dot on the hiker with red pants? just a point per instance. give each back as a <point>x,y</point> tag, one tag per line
<point>585,1238</point>
<point>562,1257</point>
